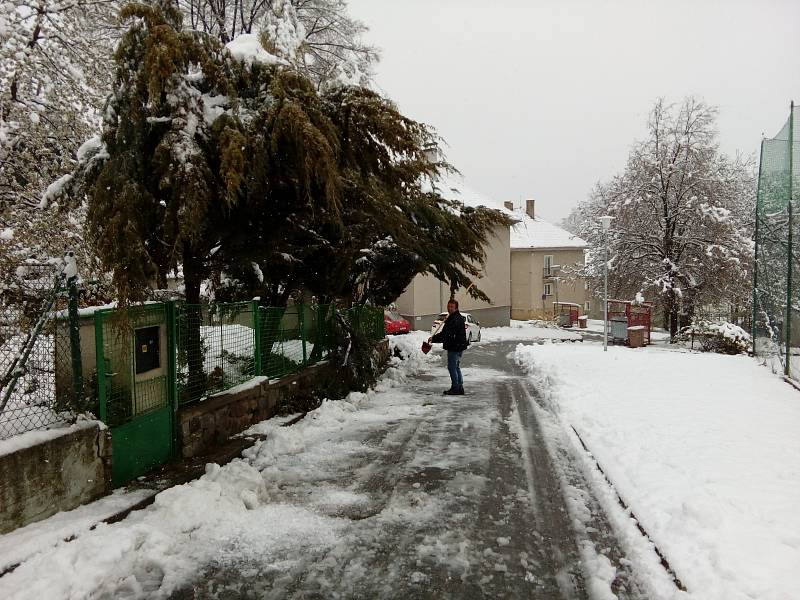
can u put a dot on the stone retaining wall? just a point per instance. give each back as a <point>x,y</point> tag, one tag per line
<point>211,422</point>
<point>44,472</point>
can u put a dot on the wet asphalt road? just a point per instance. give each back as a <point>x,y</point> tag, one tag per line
<point>501,527</point>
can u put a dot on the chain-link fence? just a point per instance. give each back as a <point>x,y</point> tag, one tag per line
<point>776,287</point>
<point>33,338</point>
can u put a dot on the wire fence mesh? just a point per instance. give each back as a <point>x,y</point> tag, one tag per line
<point>216,347</point>
<point>223,345</point>
<point>368,320</point>
<point>33,343</point>
<point>776,299</point>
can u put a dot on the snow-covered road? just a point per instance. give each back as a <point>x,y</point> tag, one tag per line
<point>399,493</point>
<point>445,497</point>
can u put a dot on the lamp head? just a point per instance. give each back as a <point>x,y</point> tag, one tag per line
<point>606,222</point>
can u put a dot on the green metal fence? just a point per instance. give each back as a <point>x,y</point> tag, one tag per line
<point>216,347</point>
<point>368,320</point>
<point>127,387</point>
<point>776,295</point>
<point>222,345</point>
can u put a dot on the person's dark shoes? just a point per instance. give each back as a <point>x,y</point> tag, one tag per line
<point>459,391</point>
<point>450,392</point>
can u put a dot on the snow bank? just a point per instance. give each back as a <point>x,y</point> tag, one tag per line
<point>704,450</point>
<point>25,542</point>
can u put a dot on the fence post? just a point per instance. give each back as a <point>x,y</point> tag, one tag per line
<point>301,323</point>
<point>172,368</point>
<point>322,330</point>
<point>101,365</point>
<point>256,339</point>
<point>75,342</point>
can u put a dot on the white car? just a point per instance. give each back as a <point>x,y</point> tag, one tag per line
<point>472,326</point>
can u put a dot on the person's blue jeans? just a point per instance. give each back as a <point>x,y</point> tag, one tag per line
<point>454,367</point>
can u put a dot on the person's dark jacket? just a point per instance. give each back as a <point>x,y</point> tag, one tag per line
<point>453,335</point>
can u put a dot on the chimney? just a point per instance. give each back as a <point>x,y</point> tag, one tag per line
<point>431,153</point>
<point>529,208</point>
<point>509,205</point>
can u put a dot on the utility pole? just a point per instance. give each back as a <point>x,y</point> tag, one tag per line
<point>606,222</point>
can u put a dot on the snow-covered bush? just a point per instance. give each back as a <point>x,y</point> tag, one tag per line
<point>723,338</point>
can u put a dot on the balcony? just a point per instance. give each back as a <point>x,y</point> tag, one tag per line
<point>551,272</point>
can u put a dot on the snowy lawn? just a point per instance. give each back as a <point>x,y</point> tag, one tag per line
<point>703,448</point>
<point>656,335</point>
<point>528,331</point>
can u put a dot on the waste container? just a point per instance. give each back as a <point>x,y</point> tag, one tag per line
<point>636,336</point>
<point>582,321</point>
<point>619,329</point>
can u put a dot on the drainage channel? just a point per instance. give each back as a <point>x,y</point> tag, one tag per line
<point>664,562</point>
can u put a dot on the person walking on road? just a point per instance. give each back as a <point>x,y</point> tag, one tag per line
<point>453,337</point>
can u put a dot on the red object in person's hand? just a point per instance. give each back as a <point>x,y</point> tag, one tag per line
<point>426,347</point>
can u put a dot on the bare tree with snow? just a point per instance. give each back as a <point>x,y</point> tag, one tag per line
<point>319,37</point>
<point>682,213</point>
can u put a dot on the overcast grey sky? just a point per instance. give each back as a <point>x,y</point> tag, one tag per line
<point>542,98</point>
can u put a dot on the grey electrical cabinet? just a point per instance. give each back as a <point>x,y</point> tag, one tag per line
<point>619,329</point>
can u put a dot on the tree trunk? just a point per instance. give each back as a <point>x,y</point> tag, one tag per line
<point>673,320</point>
<point>671,316</point>
<point>192,320</point>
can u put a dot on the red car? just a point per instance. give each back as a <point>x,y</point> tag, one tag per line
<point>394,323</point>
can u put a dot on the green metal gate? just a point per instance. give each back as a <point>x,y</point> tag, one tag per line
<point>135,384</point>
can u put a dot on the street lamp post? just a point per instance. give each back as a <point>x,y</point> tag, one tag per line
<point>606,222</point>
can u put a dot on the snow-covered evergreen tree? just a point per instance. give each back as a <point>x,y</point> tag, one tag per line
<point>56,71</point>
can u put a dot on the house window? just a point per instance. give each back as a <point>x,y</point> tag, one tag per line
<point>548,264</point>
<point>548,289</point>
<point>587,306</point>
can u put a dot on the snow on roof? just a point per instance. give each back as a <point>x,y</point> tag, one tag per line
<point>526,233</point>
<point>451,186</point>
<point>535,233</point>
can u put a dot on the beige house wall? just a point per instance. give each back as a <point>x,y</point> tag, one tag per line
<point>426,297</point>
<point>528,282</point>
<point>496,278</point>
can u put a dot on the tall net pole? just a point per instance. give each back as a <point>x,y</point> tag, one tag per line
<point>790,253</point>
<point>753,324</point>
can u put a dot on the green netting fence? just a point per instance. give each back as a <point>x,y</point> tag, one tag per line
<point>776,293</point>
